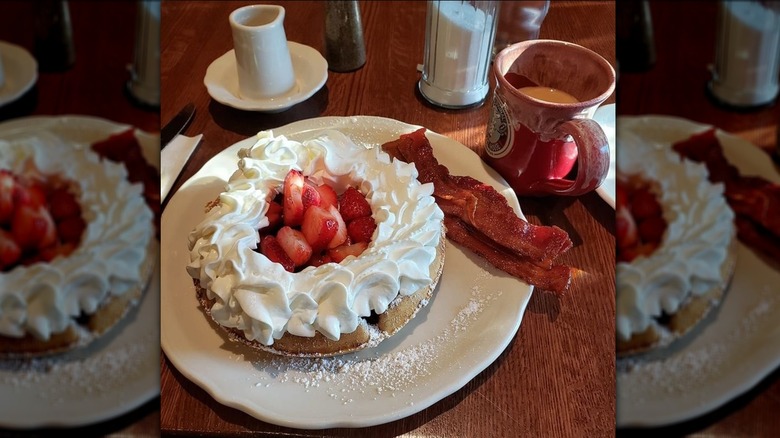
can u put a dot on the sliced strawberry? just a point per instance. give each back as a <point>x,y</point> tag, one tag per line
<point>630,254</point>
<point>320,259</point>
<point>361,229</point>
<point>33,195</point>
<point>66,249</point>
<point>294,244</point>
<point>627,254</point>
<point>353,205</point>
<point>339,253</point>
<point>328,196</point>
<point>33,227</point>
<point>37,194</point>
<point>7,188</point>
<point>274,215</point>
<point>652,229</point>
<point>644,204</point>
<point>319,227</point>
<point>50,253</point>
<point>293,201</point>
<point>71,229</point>
<point>270,248</point>
<point>63,204</point>
<point>9,250</point>
<point>621,194</point>
<point>625,228</point>
<point>310,195</point>
<point>45,254</point>
<point>341,231</point>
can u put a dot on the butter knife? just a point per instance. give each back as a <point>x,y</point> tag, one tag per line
<point>176,125</point>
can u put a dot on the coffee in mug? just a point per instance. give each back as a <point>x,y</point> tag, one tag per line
<point>541,138</point>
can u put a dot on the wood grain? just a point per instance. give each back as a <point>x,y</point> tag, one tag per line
<point>685,35</point>
<point>556,378</point>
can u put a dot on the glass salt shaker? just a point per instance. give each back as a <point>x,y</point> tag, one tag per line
<point>458,48</point>
<point>144,82</point>
<point>747,61</point>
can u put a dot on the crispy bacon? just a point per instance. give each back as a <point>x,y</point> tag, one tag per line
<point>758,199</point>
<point>757,237</point>
<point>755,200</point>
<point>479,218</point>
<point>123,147</point>
<point>555,278</point>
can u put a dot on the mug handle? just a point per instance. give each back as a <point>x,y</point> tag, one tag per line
<point>592,158</point>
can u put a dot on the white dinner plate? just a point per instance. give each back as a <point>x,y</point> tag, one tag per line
<point>605,116</point>
<point>736,347</point>
<point>474,314</point>
<point>311,72</point>
<point>116,373</point>
<point>20,72</point>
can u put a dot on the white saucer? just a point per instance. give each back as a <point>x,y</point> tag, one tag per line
<point>311,71</point>
<point>20,69</point>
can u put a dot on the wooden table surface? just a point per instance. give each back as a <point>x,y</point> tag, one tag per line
<point>103,35</point>
<point>676,86</point>
<point>556,378</point>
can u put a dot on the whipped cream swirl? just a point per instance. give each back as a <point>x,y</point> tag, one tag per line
<point>262,299</point>
<point>694,247</point>
<point>41,299</point>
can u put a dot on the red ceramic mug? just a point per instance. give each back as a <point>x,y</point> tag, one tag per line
<point>540,136</point>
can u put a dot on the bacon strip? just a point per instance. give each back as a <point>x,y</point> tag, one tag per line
<point>124,148</point>
<point>757,237</point>
<point>755,200</point>
<point>479,204</point>
<point>556,278</point>
<point>479,218</point>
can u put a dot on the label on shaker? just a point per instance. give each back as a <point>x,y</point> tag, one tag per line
<point>500,136</point>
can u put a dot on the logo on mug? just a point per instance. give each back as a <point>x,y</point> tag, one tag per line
<point>499,134</point>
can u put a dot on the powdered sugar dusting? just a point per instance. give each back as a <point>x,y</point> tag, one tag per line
<point>687,370</point>
<point>90,373</point>
<point>373,374</point>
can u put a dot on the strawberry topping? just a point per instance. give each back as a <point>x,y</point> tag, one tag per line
<point>353,205</point>
<point>361,229</point>
<point>315,230</point>
<point>639,218</point>
<point>271,248</point>
<point>39,220</point>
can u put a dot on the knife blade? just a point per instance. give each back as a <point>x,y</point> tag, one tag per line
<point>176,125</point>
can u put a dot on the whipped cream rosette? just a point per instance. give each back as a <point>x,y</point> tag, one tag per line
<point>695,258</point>
<point>258,299</point>
<point>111,261</point>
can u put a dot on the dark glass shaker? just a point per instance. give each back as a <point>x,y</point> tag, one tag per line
<point>345,49</point>
<point>53,48</point>
<point>635,44</point>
